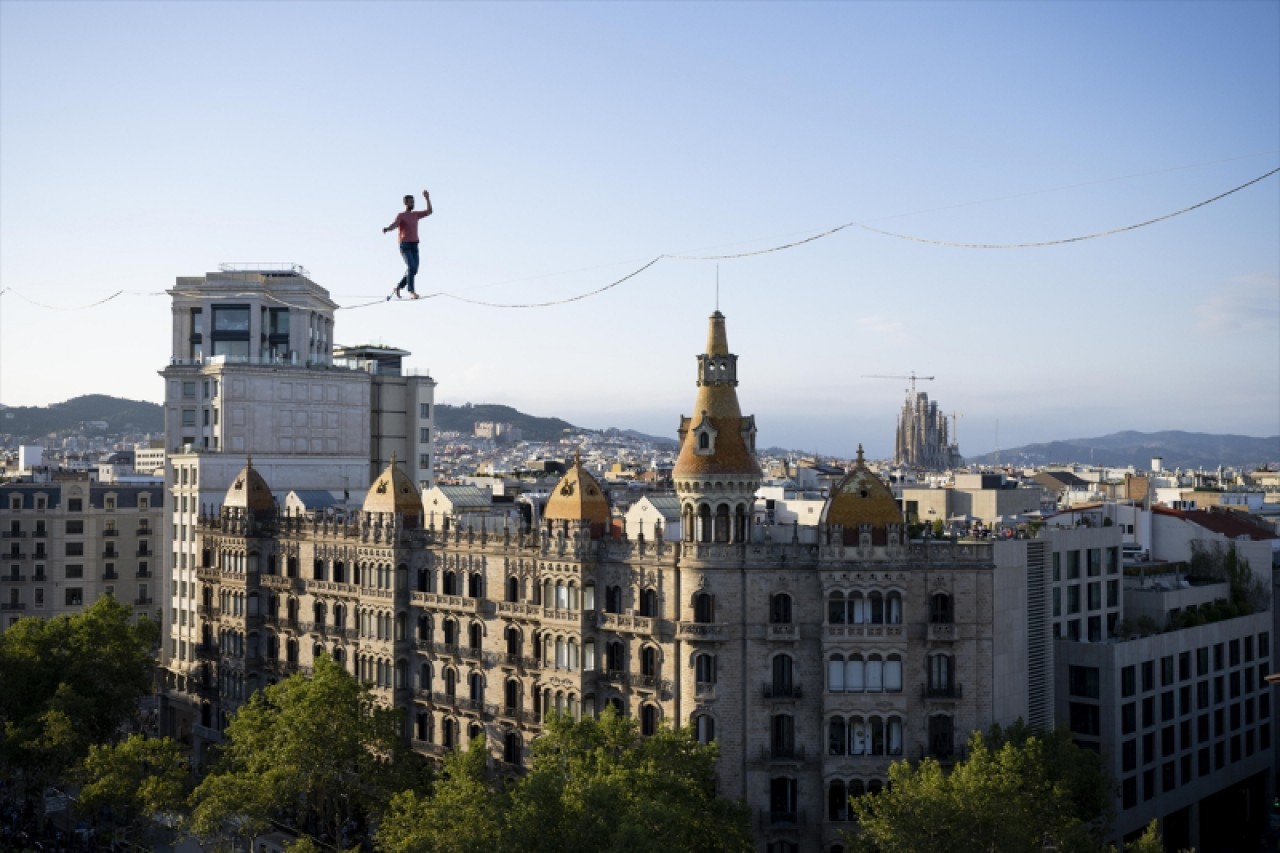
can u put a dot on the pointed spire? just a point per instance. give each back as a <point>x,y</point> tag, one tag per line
<point>717,338</point>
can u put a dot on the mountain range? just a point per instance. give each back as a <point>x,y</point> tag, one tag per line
<point>25,424</point>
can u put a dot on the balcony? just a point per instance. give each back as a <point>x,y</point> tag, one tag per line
<point>701,631</point>
<point>111,532</point>
<point>781,819</point>
<point>203,651</point>
<point>111,576</point>
<point>208,574</point>
<point>13,534</point>
<point>624,624</point>
<point>16,555</point>
<point>426,747</point>
<point>948,692</point>
<point>208,611</point>
<point>12,605</point>
<point>342,590</point>
<point>39,534</point>
<point>516,661</point>
<point>454,603</point>
<point>519,610</point>
<point>144,531</point>
<point>577,618</point>
<point>144,551</point>
<point>142,573</point>
<point>867,633</point>
<point>141,601</point>
<point>782,754</point>
<point>17,578</point>
<point>942,632</point>
<point>782,632</point>
<point>782,691</point>
<point>277,582</point>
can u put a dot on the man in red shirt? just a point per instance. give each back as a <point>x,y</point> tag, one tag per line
<point>407,224</point>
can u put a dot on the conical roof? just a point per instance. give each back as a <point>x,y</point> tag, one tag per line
<point>729,443</point>
<point>860,498</point>
<point>578,497</point>
<point>249,491</point>
<point>393,491</point>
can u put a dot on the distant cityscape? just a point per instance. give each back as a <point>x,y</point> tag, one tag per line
<point>818,618</point>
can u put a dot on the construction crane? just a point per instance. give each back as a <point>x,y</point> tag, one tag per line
<point>955,427</point>
<point>912,377</point>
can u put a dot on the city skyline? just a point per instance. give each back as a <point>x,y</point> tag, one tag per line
<point>567,145</point>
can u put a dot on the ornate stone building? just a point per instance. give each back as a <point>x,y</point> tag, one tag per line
<point>814,662</point>
<point>922,439</point>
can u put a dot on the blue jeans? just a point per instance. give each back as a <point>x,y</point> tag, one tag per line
<point>409,251</point>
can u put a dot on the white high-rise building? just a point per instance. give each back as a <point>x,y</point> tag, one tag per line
<point>252,374</point>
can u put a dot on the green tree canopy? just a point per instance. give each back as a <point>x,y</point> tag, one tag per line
<point>319,751</point>
<point>593,785</point>
<point>67,683</point>
<point>135,778</point>
<point>1015,797</point>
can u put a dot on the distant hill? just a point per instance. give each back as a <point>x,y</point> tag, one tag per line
<point>1122,449</point>
<point>120,415</point>
<point>463,419</point>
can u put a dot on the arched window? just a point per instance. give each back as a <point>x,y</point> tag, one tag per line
<point>649,719</point>
<point>339,572</point>
<point>894,735</point>
<point>940,681</point>
<point>782,736</point>
<point>837,800</point>
<point>837,736</point>
<point>855,674</point>
<point>449,734</point>
<point>475,585</point>
<point>649,662</point>
<point>451,682</point>
<point>477,689</point>
<point>450,583</point>
<point>940,609</point>
<point>613,599</point>
<point>875,674</point>
<point>704,608</point>
<point>424,628</point>
<point>424,677</point>
<point>780,609</point>
<point>859,611</point>
<point>704,668</point>
<point>893,674</point>
<point>648,603</point>
<point>511,748</point>
<point>783,683</point>
<point>858,736</point>
<point>513,589</point>
<point>450,632</point>
<point>514,644</point>
<point>511,696</point>
<point>704,523</point>
<point>835,608</point>
<point>835,674</point>
<point>704,728</point>
<point>615,657</point>
<point>893,608</point>
<point>875,603</point>
<point>474,636</point>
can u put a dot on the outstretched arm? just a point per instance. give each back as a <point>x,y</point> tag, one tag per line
<point>392,226</point>
<point>427,197</point>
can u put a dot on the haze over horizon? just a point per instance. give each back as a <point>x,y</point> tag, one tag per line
<point>566,145</point>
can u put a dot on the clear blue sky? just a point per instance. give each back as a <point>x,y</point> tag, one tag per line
<point>567,144</point>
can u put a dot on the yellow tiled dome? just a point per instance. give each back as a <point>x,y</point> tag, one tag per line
<point>393,491</point>
<point>861,498</point>
<point>578,497</point>
<point>249,491</point>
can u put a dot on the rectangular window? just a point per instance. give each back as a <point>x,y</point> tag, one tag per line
<point>75,505</point>
<point>1073,565</point>
<point>424,411</point>
<point>424,460</point>
<point>1148,675</point>
<point>188,390</point>
<point>1113,593</point>
<point>1073,599</point>
<point>74,596</point>
<point>1083,681</point>
<point>1095,629</point>
<point>1113,558</point>
<point>1095,596</point>
<point>1128,681</point>
<point>1234,647</point>
<point>424,435</point>
<point>1184,666</point>
<point>75,528</point>
<point>188,417</point>
<point>1166,670</point>
<point>39,597</point>
<point>1095,562</point>
<point>1202,660</point>
<point>74,571</point>
<point>1085,719</point>
<point>1129,718</point>
<point>1057,567</point>
<point>75,549</point>
<point>1057,601</point>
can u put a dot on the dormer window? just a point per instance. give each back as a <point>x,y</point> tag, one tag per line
<point>704,434</point>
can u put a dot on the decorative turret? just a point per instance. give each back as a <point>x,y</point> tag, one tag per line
<point>579,498</point>
<point>861,503</point>
<point>716,474</point>
<point>249,495</point>
<point>393,492</point>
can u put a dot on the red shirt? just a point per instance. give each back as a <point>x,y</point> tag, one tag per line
<point>407,222</point>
